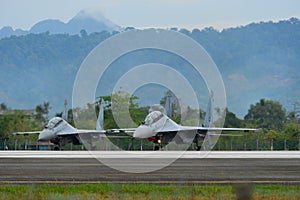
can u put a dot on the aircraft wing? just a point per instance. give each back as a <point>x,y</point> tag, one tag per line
<point>105,133</point>
<point>27,133</point>
<point>203,131</point>
<point>226,129</point>
<point>206,129</point>
<point>79,131</point>
<point>128,131</point>
<point>122,130</point>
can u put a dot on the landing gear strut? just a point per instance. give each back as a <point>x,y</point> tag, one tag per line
<point>57,143</point>
<point>158,142</point>
<point>197,143</point>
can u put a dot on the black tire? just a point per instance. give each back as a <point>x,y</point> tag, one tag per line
<point>56,148</point>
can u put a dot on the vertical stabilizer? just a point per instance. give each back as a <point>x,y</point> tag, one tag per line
<point>208,115</point>
<point>208,142</point>
<point>100,120</point>
<point>168,106</point>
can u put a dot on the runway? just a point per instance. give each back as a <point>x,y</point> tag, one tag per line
<point>59,167</point>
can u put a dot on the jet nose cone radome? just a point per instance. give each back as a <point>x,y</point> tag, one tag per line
<point>142,132</point>
<point>45,135</point>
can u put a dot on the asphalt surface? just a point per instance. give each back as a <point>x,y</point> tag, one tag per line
<point>59,168</point>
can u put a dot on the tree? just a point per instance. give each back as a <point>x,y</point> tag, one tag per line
<point>122,104</point>
<point>231,120</point>
<point>267,114</point>
<point>116,110</point>
<point>15,121</point>
<point>294,115</point>
<point>41,112</point>
<point>3,107</point>
<point>291,131</point>
<point>83,33</point>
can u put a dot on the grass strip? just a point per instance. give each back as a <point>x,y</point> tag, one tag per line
<point>148,191</point>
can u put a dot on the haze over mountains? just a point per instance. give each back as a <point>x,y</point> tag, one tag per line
<point>90,21</point>
<point>260,60</point>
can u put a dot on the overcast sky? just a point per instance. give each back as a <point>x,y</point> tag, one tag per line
<point>151,13</point>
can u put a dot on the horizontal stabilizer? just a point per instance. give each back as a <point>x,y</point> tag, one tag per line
<point>27,133</point>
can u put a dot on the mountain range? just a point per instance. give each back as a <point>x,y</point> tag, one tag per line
<point>259,60</point>
<point>89,21</point>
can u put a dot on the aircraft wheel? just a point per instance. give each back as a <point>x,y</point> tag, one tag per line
<point>197,147</point>
<point>56,148</point>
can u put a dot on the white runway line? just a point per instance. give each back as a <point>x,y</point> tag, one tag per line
<point>151,154</point>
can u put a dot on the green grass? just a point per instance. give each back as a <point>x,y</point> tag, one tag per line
<point>144,191</point>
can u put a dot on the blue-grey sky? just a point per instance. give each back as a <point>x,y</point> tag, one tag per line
<point>151,13</point>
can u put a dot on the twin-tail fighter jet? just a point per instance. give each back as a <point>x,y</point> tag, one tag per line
<point>60,132</point>
<point>161,130</point>
<point>157,128</point>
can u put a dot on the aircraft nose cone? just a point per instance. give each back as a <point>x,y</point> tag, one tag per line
<point>46,135</point>
<point>142,132</point>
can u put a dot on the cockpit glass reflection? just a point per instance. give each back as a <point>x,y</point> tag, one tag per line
<point>153,117</point>
<point>54,122</point>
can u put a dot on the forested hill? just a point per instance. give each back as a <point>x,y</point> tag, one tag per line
<point>260,60</point>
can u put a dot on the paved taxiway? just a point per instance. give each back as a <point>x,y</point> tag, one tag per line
<point>18,167</point>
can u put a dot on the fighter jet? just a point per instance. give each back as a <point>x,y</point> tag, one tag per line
<point>161,130</point>
<point>60,132</point>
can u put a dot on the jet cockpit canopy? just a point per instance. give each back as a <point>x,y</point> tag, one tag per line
<point>153,117</point>
<point>54,122</point>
